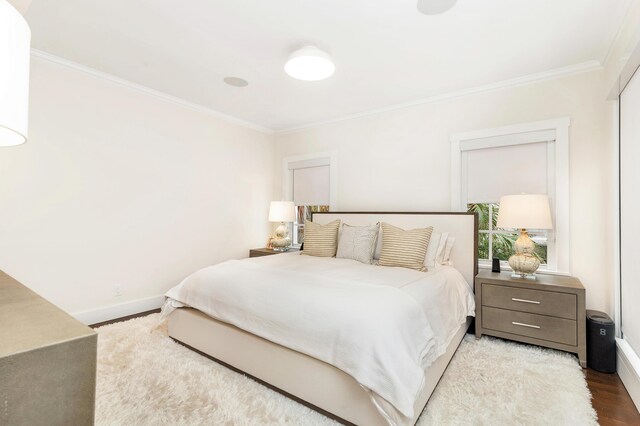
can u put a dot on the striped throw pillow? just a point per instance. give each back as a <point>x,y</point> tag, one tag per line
<point>321,240</point>
<point>404,248</point>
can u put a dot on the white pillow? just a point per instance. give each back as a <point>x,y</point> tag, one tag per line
<point>441,247</point>
<point>446,258</point>
<point>432,250</point>
<point>439,250</point>
<point>378,250</point>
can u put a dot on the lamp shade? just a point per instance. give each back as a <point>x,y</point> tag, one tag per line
<point>15,40</point>
<point>434,7</point>
<point>282,211</point>
<point>526,211</point>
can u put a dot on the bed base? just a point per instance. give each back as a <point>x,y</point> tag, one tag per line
<point>305,379</point>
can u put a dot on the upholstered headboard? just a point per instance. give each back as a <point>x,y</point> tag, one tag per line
<point>462,226</point>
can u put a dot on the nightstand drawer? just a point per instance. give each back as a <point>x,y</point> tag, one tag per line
<point>259,252</point>
<point>255,253</point>
<point>542,327</point>
<point>561,305</point>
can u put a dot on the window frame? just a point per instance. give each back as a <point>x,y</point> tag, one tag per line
<point>287,182</point>
<point>495,231</point>
<point>558,177</point>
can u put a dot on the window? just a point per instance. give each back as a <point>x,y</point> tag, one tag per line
<point>498,243</point>
<point>629,226</point>
<point>526,158</point>
<point>304,213</point>
<point>309,181</point>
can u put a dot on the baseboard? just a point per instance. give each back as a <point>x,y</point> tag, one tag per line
<point>107,313</point>
<point>629,370</point>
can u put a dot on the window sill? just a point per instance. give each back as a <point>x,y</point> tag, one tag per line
<point>506,268</point>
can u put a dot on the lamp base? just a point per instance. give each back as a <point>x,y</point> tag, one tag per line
<point>524,263</point>
<point>281,241</point>
<point>530,277</point>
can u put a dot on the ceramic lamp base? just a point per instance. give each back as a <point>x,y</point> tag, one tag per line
<point>531,277</point>
<point>281,241</point>
<point>524,263</point>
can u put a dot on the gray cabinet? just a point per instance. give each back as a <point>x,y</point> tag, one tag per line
<point>47,361</point>
<point>549,311</point>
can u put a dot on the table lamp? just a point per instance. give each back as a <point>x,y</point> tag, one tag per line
<point>15,52</point>
<point>282,211</point>
<point>524,211</point>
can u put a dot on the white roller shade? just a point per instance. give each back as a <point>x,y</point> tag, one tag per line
<point>629,207</point>
<point>311,186</point>
<point>506,170</point>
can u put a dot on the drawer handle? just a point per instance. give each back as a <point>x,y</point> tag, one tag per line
<point>535,302</point>
<point>524,325</point>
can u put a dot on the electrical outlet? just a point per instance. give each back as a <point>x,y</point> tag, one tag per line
<point>117,290</point>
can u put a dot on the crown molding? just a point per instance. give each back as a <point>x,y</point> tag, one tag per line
<point>514,82</point>
<point>35,53</point>
<point>520,81</point>
<point>618,34</point>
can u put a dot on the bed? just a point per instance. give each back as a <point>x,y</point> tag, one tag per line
<point>334,334</point>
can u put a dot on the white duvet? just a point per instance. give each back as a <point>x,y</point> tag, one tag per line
<point>383,326</point>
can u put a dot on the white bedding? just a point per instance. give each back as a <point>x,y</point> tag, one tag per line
<point>383,326</point>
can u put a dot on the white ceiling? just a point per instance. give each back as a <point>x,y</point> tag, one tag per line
<point>385,52</point>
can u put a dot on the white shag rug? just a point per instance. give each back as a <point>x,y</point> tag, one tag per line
<point>145,378</point>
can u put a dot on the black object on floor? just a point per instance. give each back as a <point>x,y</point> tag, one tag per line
<point>601,342</point>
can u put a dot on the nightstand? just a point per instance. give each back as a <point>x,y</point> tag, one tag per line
<point>549,311</point>
<point>259,252</point>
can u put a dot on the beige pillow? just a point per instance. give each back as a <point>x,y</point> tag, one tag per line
<point>404,248</point>
<point>321,240</point>
<point>357,242</point>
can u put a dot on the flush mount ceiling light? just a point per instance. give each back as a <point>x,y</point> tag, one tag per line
<point>236,81</point>
<point>434,7</point>
<point>309,64</point>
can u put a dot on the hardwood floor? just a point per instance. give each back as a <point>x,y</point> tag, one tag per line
<point>611,400</point>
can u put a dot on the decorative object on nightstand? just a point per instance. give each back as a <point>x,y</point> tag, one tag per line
<point>548,312</point>
<point>524,211</point>
<point>282,211</point>
<point>495,265</point>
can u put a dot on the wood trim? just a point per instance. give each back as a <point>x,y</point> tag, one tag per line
<point>627,369</point>
<point>125,318</point>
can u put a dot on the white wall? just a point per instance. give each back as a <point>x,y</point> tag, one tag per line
<point>118,187</point>
<point>400,160</point>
